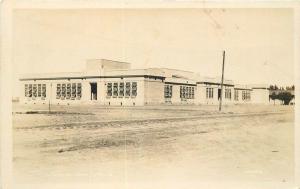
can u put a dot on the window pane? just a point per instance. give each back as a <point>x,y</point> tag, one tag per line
<point>34,91</point>
<point>115,89</point>
<point>63,91</point>
<point>39,90</point>
<point>30,90</point>
<point>43,91</point>
<point>68,96</point>
<point>73,93</point>
<point>78,91</point>
<point>134,89</point>
<point>121,89</point>
<point>127,92</point>
<point>109,89</point>
<point>58,91</point>
<point>26,90</point>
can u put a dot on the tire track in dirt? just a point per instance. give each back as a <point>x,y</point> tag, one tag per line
<point>150,131</point>
<point>119,123</point>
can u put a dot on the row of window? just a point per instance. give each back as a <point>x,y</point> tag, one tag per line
<point>187,92</point>
<point>69,91</point>
<point>35,91</point>
<point>74,91</point>
<point>126,89</point>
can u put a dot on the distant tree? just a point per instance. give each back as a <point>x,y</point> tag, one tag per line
<point>273,96</point>
<point>271,87</point>
<point>293,87</point>
<point>275,87</point>
<point>286,97</point>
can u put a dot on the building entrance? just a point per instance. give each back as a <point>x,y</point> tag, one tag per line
<point>93,91</point>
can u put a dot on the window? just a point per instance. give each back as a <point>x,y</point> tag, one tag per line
<point>181,92</point>
<point>58,91</point>
<point>121,89</point>
<point>209,92</point>
<point>247,95</point>
<point>109,89</point>
<point>127,89</point>
<point>30,90</point>
<point>63,91</point>
<point>236,94</point>
<point>168,91</point>
<point>134,89</point>
<point>43,91</point>
<point>34,91</point>
<point>186,92</point>
<point>39,90</point>
<point>78,91</point>
<point>73,91</point>
<point>26,90</point>
<point>228,93</point>
<point>193,93</point>
<point>115,90</point>
<point>68,96</point>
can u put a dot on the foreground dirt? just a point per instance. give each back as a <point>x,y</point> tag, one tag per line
<point>128,147</point>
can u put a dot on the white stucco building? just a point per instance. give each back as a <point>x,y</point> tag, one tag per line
<point>107,82</point>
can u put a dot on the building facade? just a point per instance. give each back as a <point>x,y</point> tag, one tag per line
<point>113,83</point>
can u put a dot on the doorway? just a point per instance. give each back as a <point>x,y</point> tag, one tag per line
<point>219,94</point>
<point>93,91</point>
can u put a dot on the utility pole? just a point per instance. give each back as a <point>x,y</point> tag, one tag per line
<point>222,81</point>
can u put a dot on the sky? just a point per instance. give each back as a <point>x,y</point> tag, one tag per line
<point>258,42</point>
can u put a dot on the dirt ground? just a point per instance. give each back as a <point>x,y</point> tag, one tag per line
<point>154,147</point>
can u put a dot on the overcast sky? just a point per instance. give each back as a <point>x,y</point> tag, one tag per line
<point>258,42</point>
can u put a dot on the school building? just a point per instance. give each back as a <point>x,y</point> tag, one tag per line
<point>114,83</point>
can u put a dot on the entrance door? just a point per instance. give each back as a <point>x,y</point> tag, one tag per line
<point>93,91</point>
<point>219,94</point>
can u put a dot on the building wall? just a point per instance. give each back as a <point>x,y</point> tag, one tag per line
<point>150,91</point>
<point>260,96</point>
<point>154,91</point>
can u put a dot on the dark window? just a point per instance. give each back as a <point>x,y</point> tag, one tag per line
<point>109,89</point>
<point>78,91</point>
<point>44,91</point>
<point>58,91</point>
<point>115,89</point>
<point>134,89</point>
<point>68,96</point>
<point>127,89</point>
<point>73,91</point>
<point>39,93</point>
<point>30,90</point>
<point>168,91</point>
<point>26,90</point>
<point>34,91</point>
<point>121,89</point>
<point>63,91</point>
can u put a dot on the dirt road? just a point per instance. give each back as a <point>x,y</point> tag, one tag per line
<point>129,146</point>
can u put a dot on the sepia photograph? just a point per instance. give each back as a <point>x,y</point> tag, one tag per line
<point>152,97</point>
